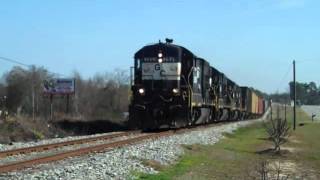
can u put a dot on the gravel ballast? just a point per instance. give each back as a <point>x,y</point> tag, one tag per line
<point>121,162</point>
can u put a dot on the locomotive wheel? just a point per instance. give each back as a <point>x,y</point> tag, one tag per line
<point>214,114</point>
<point>236,115</point>
<point>218,115</point>
<point>233,116</point>
<point>190,119</point>
<point>230,116</point>
<point>225,115</point>
<point>242,116</point>
<point>211,116</point>
<point>195,115</point>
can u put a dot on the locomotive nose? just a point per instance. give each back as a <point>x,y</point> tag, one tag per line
<point>158,112</point>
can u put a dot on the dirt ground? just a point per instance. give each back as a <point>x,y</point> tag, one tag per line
<point>22,129</point>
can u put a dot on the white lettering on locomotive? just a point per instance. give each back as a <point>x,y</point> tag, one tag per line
<point>161,71</point>
<point>155,59</point>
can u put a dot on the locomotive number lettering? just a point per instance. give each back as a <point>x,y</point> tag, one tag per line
<point>157,67</point>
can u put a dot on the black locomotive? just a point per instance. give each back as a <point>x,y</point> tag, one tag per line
<point>173,88</point>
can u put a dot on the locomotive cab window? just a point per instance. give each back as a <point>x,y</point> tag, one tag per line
<point>138,63</point>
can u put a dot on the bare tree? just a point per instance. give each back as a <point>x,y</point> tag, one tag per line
<point>266,170</point>
<point>278,132</point>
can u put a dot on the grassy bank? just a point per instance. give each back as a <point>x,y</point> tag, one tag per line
<point>23,129</point>
<point>241,154</point>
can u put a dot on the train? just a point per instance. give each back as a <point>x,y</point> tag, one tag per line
<point>171,87</point>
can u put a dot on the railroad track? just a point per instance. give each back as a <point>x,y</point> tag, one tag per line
<point>46,147</point>
<point>81,151</point>
<point>78,152</point>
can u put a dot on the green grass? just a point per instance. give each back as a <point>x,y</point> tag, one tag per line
<point>180,168</point>
<point>220,160</point>
<point>237,154</point>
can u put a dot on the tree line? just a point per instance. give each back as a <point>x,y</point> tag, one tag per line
<point>306,93</point>
<point>103,96</point>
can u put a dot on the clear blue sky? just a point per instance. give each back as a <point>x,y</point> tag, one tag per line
<point>253,42</point>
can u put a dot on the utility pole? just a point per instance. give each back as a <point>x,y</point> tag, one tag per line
<point>33,92</point>
<point>294,95</point>
<point>51,107</point>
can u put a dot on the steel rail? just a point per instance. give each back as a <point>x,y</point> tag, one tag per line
<point>81,151</point>
<point>46,147</point>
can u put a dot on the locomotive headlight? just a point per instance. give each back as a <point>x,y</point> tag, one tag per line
<point>175,91</point>
<point>141,91</point>
<point>160,60</point>
<point>160,55</point>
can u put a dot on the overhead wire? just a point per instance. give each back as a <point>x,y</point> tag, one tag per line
<point>289,68</point>
<point>14,61</point>
<point>308,60</point>
<point>26,65</point>
<point>284,76</point>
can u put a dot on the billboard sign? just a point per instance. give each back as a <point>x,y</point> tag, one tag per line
<point>59,86</point>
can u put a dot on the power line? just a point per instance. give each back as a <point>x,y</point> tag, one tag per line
<point>307,60</point>
<point>26,65</point>
<point>283,78</point>
<point>14,61</point>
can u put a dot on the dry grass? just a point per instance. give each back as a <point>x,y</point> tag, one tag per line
<point>21,129</point>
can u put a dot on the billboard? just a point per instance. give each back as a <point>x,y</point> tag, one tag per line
<point>59,86</point>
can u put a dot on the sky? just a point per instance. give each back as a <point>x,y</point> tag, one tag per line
<point>252,41</point>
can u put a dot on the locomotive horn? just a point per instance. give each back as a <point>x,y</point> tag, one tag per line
<point>169,41</point>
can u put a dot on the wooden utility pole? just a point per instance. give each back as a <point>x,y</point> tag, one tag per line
<point>51,107</point>
<point>294,95</point>
<point>33,92</point>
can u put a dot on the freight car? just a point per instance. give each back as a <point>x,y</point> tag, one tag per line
<point>173,88</point>
<point>252,104</point>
